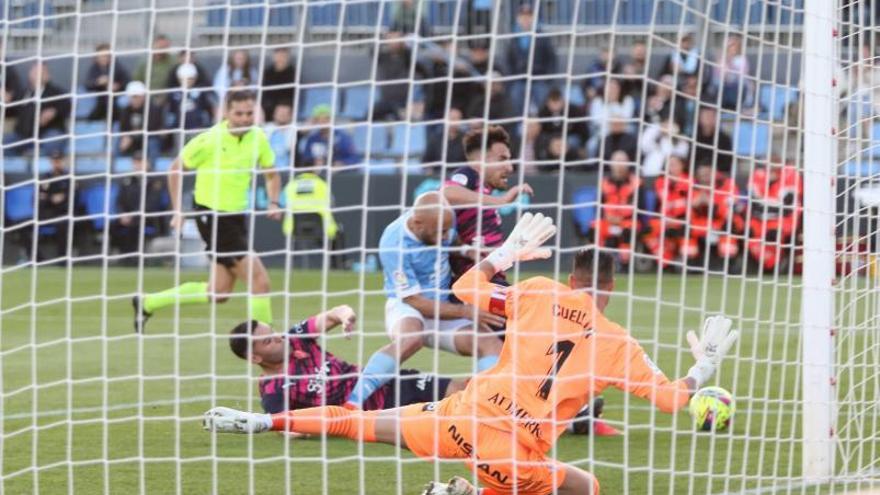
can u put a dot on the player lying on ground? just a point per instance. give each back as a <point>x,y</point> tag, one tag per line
<point>415,264</point>
<point>559,351</point>
<point>225,157</point>
<point>298,373</point>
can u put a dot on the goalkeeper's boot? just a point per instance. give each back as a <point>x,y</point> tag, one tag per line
<point>226,420</point>
<point>456,486</point>
<point>588,421</point>
<point>140,314</point>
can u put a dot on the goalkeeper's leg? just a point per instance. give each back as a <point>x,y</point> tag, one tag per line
<point>335,421</point>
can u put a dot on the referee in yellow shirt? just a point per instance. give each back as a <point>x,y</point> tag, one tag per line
<point>225,158</point>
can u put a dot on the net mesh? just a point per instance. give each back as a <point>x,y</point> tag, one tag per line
<point>668,132</point>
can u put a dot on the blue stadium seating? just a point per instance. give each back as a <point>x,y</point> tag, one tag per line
<point>380,140</point>
<point>584,212</point>
<point>89,165</point>
<point>355,102</point>
<point>19,203</point>
<point>312,97</point>
<point>383,166</point>
<point>16,165</point>
<point>44,165</point>
<point>752,139</point>
<point>163,164</point>
<point>359,136</point>
<point>123,165</point>
<point>91,137</point>
<point>861,167</point>
<point>85,104</point>
<point>775,99</point>
<point>417,140</point>
<point>97,203</point>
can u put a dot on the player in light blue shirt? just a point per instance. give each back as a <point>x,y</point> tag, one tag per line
<point>414,251</point>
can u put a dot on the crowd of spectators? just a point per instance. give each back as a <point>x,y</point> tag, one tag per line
<point>630,117</point>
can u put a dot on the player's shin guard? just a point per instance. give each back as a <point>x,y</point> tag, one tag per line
<point>335,421</point>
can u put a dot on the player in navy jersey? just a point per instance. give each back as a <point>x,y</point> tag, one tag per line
<point>298,373</point>
<point>469,191</point>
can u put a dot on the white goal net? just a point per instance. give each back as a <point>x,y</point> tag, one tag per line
<point>725,152</point>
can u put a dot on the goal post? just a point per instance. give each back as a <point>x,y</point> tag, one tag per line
<point>817,312</point>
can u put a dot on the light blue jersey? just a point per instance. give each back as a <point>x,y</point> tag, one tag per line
<point>410,267</point>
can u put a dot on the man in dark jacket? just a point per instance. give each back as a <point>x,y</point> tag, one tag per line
<point>132,203</point>
<point>519,54</point>
<point>136,120</point>
<point>98,80</point>
<point>42,115</point>
<point>279,80</point>
<point>55,189</point>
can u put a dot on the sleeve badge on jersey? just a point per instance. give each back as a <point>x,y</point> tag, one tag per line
<point>400,280</point>
<point>460,178</point>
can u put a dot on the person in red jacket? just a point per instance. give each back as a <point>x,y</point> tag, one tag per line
<point>776,193</point>
<point>715,215</point>
<point>618,204</point>
<point>665,236</point>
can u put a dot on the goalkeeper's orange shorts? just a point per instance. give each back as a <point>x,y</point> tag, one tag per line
<point>432,431</point>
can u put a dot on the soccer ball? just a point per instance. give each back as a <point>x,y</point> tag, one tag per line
<point>712,409</point>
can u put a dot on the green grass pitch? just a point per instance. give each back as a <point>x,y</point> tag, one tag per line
<point>89,407</point>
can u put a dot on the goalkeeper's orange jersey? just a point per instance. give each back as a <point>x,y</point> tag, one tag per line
<point>559,351</point>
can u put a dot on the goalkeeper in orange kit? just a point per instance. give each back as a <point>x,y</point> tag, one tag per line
<point>559,352</point>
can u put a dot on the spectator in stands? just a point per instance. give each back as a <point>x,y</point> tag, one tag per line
<point>659,143</point>
<point>686,104</point>
<point>138,122</point>
<point>685,61</point>
<point>714,215</point>
<point>665,238</point>
<point>238,71</point>
<point>618,139</point>
<point>394,63</point>
<point>776,192</point>
<point>55,206</point>
<point>42,115</point>
<point>633,70</point>
<point>279,81</point>
<point>614,104</point>
<point>455,157</point>
<point>530,145</point>
<point>617,221</point>
<point>203,79</point>
<point>98,80</point>
<point>158,68</point>
<point>405,22</point>
<point>551,151</point>
<point>520,53</point>
<point>500,110</point>
<point>658,106</point>
<point>555,112</point>
<point>595,85</point>
<point>189,108</point>
<point>713,144</point>
<point>317,150</point>
<point>473,67</point>
<point>281,134</point>
<point>730,77</point>
<point>132,202</point>
<point>10,84</point>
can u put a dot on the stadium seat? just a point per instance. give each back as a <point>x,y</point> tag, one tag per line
<point>123,165</point>
<point>97,203</point>
<point>752,139</point>
<point>312,97</point>
<point>380,140</point>
<point>323,14</point>
<point>87,166</point>
<point>356,103</point>
<point>85,104</point>
<point>359,136</point>
<point>417,140</point>
<point>775,99</point>
<point>383,166</point>
<point>163,164</point>
<point>44,165</point>
<point>584,211</point>
<point>247,16</point>
<point>576,94</point>
<point>16,165</point>
<point>19,203</point>
<point>91,137</point>
<point>861,167</point>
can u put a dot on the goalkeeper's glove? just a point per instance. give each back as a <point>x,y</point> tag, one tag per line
<point>524,243</point>
<point>710,348</point>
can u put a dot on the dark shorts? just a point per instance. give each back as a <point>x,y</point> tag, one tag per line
<point>413,387</point>
<point>232,235</point>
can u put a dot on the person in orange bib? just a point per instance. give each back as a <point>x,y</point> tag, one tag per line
<point>559,352</point>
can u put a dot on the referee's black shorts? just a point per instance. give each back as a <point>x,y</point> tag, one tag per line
<point>231,235</point>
